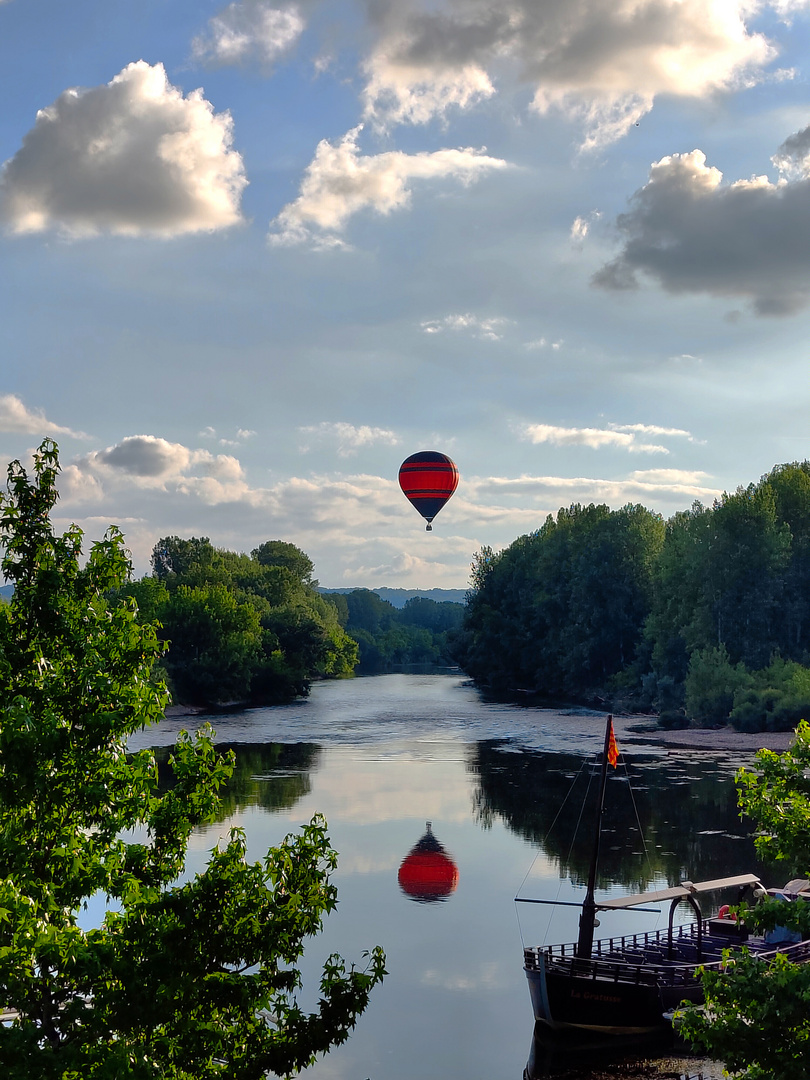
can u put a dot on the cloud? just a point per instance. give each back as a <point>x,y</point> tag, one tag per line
<point>541,343</point>
<point>658,486</point>
<point>17,417</point>
<point>248,31</point>
<point>652,429</point>
<point>487,329</point>
<point>349,438</point>
<point>604,63</point>
<point>340,182</point>
<point>581,226</point>
<point>693,233</point>
<point>358,528</point>
<point>131,157</point>
<point>241,436</point>
<point>622,437</point>
<point>148,460</point>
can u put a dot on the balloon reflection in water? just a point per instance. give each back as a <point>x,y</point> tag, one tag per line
<point>427,872</point>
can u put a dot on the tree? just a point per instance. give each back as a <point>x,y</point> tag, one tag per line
<point>757,1016</point>
<point>172,556</point>
<point>215,644</point>
<point>182,980</point>
<point>280,553</point>
<point>561,611</point>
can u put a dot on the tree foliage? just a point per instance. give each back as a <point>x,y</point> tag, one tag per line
<point>562,610</point>
<point>757,1017</point>
<point>184,980</point>
<point>696,616</point>
<point>246,628</point>
<point>422,632</point>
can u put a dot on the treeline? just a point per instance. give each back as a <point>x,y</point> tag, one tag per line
<point>242,628</point>
<point>420,633</point>
<point>254,629</point>
<point>704,617</point>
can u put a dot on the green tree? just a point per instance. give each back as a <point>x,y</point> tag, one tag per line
<point>561,610</point>
<point>711,683</point>
<point>757,1019</point>
<point>182,981</point>
<point>292,558</point>
<point>173,557</point>
<point>790,484</point>
<point>215,644</point>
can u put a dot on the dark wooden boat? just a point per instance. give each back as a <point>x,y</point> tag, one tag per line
<point>629,985</point>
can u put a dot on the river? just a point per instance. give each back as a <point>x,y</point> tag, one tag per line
<point>382,756</point>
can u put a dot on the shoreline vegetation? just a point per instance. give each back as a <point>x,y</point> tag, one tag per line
<point>701,621</point>
<point>256,629</point>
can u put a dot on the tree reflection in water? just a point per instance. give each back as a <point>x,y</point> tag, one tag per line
<point>639,1059</point>
<point>273,776</point>
<point>687,808</point>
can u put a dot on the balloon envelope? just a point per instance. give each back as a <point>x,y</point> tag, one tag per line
<point>428,479</point>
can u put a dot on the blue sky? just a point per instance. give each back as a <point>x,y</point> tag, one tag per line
<point>255,254</point>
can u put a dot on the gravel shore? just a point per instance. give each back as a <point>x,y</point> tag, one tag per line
<point>633,727</point>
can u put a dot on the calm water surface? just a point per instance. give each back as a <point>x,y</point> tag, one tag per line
<point>381,756</point>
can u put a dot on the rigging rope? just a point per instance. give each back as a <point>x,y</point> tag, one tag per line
<point>585,764</point>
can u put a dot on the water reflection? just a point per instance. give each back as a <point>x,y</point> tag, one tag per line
<point>631,1059</point>
<point>274,776</point>
<point>377,757</point>
<point>687,808</point>
<point>427,873</point>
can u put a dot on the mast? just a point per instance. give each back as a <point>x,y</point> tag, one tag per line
<point>587,920</point>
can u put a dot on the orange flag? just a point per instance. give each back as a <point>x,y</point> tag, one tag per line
<point>613,749</point>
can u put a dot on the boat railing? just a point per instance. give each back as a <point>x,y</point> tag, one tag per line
<point>642,958</point>
<point>637,942</point>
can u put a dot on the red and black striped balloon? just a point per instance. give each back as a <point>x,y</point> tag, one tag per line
<point>428,479</point>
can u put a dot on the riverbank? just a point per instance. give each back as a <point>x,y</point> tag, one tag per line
<point>634,728</point>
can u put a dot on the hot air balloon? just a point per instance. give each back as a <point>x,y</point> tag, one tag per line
<point>428,479</point>
<point>427,872</point>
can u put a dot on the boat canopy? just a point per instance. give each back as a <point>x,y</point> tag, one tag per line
<point>682,891</point>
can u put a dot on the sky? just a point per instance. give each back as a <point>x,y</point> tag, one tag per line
<point>253,255</point>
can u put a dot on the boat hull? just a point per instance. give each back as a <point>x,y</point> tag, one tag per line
<point>566,1002</point>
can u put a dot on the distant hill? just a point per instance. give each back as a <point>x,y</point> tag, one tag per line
<point>400,597</point>
<point>6,593</point>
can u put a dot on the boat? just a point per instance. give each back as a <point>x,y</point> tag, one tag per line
<point>631,985</point>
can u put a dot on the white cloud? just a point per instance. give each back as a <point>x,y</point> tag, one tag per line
<point>488,329</point>
<point>542,343</point>
<point>657,486</point>
<point>241,436</point>
<point>131,157</point>
<point>597,438</point>
<point>651,429</point>
<point>358,528</point>
<point>689,480</point>
<point>401,92</point>
<point>340,182</point>
<point>149,461</point>
<point>604,63</point>
<point>17,417</point>
<point>693,233</point>
<point>248,30</point>
<point>349,439</point>
<point>579,229</point>
<point>581,226</point>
